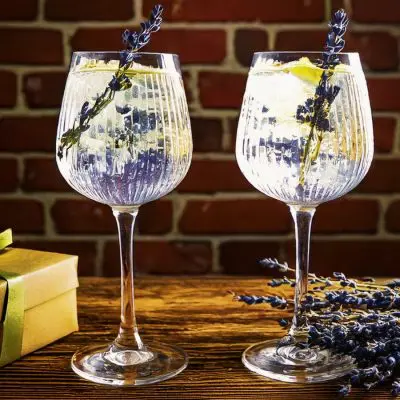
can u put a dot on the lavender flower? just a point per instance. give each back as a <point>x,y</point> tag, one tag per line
<point>344,390</point>
<point>283,322</point>
<point>119,82</point>
<point>360,319</point>
<point>315,110</point>
<point>396,388</point>
<point>335,41</point>
<point>394,284</point>
<point>274,301</point>
<point>134,40</point>
<point>274,264</point>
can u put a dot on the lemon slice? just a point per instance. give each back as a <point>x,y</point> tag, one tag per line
<point>305,70</point>
<point>5,239</point>
<point>112,66</point>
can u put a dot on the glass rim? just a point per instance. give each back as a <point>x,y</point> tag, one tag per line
<point>303,52</point>
<point>147,53</point>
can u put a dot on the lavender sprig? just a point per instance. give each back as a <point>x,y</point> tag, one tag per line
<point>134,40</point>
<point>335,42</point>
<point>119,82</point>
<point>315,111</point>
<point>357,318</point>
<point>274,263</point>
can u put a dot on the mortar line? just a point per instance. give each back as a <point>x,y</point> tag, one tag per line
<point>40,16</point>
<point>138,7</point>
<point>328,10</point>
<point>216,267</point>
<point>195,25</point>
<point>100,244</point>
<point>208,237</point>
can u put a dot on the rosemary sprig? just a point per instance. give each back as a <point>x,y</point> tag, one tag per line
<point>134,41</point>
<point>315,111</point>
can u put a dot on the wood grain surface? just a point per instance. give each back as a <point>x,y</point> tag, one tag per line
<point>195,313</point>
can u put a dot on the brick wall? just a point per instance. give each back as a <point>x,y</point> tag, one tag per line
<point>215,221</point>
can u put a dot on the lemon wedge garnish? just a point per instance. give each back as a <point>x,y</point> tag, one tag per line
<point>305,70</point>
<point>113,65</point>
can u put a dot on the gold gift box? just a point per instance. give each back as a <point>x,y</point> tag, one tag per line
<point>48,283</point>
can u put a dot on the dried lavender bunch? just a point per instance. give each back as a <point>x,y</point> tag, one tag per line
<point>356,317</point>
<point>134,41</point>
<point>315,111</point>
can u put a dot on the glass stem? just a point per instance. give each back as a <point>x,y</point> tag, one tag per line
<point>302,217</point>
<point>128,335</point>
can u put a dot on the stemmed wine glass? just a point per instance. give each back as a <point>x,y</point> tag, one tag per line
<point>304,138</point>
<point>124,139</point>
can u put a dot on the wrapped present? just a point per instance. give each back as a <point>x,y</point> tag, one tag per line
<point>37,299</point>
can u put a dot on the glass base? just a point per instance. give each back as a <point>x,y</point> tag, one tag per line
<point>125,367</point>
<point>291,363</point>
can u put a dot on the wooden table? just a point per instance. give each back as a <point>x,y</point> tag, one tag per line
<point>195,313</point>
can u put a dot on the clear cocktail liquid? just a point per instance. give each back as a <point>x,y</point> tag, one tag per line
<point>138,148</point>
<point>272,140</point>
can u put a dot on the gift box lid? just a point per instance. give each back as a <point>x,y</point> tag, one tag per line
<point>45,275</point>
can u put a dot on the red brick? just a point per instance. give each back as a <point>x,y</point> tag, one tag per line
<point>383,177</point>
<point>86,251</point>
<point>82,217</point>
<point>22,215</point>
<point>159,257</point>
<point>187,78</point>
<point>192,46</point>
<point>8,88</point>
<point>86,216</point>
<point>232,126</point>
<point>354,258</point>
<point>378,50</point>
<point>44,90</point>
<point>371,12</point>
<point>8,175</point>
<point>19,10</point>
<point>392,217</point>
<point>45,46</point>
<point>207,134</point>
<point>235,217</point>
<point>347,216</point>
<point>236,10</point>
<point>383,94</point>
<point>96,39</point>
<point>155,217</point>
<point>28,134</point>
<point>77,10</point>
<point>243,258</point>
<point>209,176</point>
<point>42,174</point>
<point>221,89</point>
<point>249,41</point>
<point>384,133</point>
